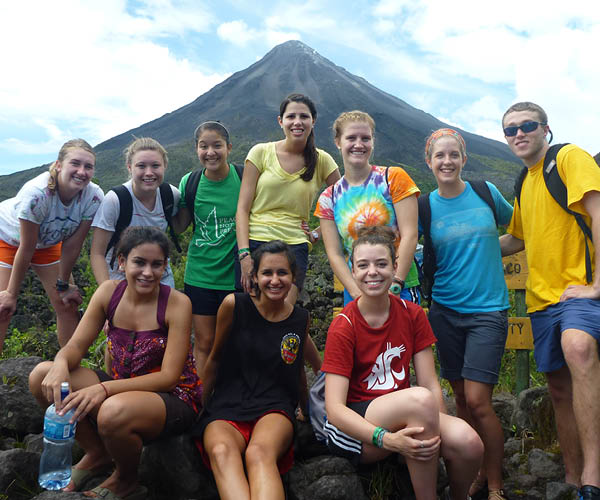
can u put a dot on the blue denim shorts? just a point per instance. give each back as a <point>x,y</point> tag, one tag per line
<point>547,325</point>
<point>469,345</point>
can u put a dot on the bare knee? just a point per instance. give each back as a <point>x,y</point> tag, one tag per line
<point>560,387</point>
<point>203,341</point>
<point>460,441</point>
<point>479,408</point>
<point>220,454</point>
<point>112,417</point>
<point>36,377</point>
<point>425,406</point>
<point>580,351</point>
<point>257,454</point>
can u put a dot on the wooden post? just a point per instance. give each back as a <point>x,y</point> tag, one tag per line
<point>515,273</point>
<point>522,355</point>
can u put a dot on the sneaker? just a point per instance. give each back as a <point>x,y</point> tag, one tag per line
<point>589,492</point>
<point>496,495</point>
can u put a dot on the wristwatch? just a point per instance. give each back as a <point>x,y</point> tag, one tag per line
<point>61,286</point>
<point>395,289</point>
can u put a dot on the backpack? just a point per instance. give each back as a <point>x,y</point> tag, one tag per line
<point>126,211</point>
<point>191,188</point>
<point>428,266</point>
<point>557,189</point>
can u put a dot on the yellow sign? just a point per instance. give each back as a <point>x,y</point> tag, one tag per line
<point>337,284</point>
<point>519,334</point>
<point>515,271</point>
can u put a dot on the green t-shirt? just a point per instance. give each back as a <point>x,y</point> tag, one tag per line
<point>211,255</point>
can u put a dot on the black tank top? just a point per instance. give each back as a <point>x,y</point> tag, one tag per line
<point>259,369</point>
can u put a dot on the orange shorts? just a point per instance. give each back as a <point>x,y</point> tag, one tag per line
<point>41,257</point>
<point>284,464</point>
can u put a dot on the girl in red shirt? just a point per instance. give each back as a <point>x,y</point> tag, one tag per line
<point>372,410</point>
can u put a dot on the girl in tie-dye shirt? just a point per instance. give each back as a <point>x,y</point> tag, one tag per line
<point>368,195</point>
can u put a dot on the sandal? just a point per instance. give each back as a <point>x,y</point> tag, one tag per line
<point>79,477</point>
<point>478,488</point>
<point>140,493</point>
<point>496,495</point>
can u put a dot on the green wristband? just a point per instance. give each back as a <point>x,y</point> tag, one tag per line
<point>376,432</point>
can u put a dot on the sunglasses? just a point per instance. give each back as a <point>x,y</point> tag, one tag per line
<point>525,127</point>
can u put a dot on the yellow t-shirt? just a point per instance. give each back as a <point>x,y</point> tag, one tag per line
<point>554,243</point>
<point>283,201</point>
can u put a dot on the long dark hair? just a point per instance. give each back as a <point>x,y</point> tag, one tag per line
<point>134,236</point>
<point>273,246</point>
<point>310,150</point>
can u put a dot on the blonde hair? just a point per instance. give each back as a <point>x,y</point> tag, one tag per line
<point>72,144</point>
<point>350,117</point>
<point>144,144</point>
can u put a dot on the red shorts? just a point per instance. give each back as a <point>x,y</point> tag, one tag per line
<point>284,464</point>
<point>41,257</point>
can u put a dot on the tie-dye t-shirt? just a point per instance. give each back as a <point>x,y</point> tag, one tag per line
<point>370,204</point>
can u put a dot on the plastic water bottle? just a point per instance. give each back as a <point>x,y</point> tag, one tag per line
<point>56,461</point>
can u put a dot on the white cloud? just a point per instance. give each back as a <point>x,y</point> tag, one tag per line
<point>95,66</point>
<point>237,32</point>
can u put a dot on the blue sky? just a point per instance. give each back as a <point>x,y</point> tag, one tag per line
<point>95,69</point>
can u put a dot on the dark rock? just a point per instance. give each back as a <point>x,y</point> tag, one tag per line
<point>20,413</point>
<point>526,481</point>
<point>173,468</point>
<point>544,465</point>
<point>560,491</point>
<point>34,442</point>
<point>335,488</point>
<point>512,446</point>
<point>326,478</point>
<point>534,414</point>
<point>60,495</point>
<point>504,405</point>
<point>18,473</point>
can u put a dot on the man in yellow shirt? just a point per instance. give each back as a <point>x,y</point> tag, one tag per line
<point>563,305</point>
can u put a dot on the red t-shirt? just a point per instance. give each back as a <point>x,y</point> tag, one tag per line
<point>376,360</point>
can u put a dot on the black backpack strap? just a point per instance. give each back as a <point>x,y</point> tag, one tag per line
<point>519,184</point>
<point>124,219</point>
<point>482,190</point>
<point>429,263</point>
<point>168,202</point>
<point>557,189</point>
<point>239,169</point>
<point>191,186</point>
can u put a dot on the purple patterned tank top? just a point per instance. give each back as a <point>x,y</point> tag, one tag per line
<point>139,353</point>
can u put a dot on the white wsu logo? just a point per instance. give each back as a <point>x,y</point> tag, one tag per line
<point>382,376</point>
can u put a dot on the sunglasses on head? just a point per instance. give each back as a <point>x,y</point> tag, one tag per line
<point>525,127</point>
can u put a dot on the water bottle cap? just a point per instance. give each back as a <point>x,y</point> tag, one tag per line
<point>64,390</point>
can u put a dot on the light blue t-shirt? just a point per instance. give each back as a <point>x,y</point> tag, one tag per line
<point>469,276</point>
